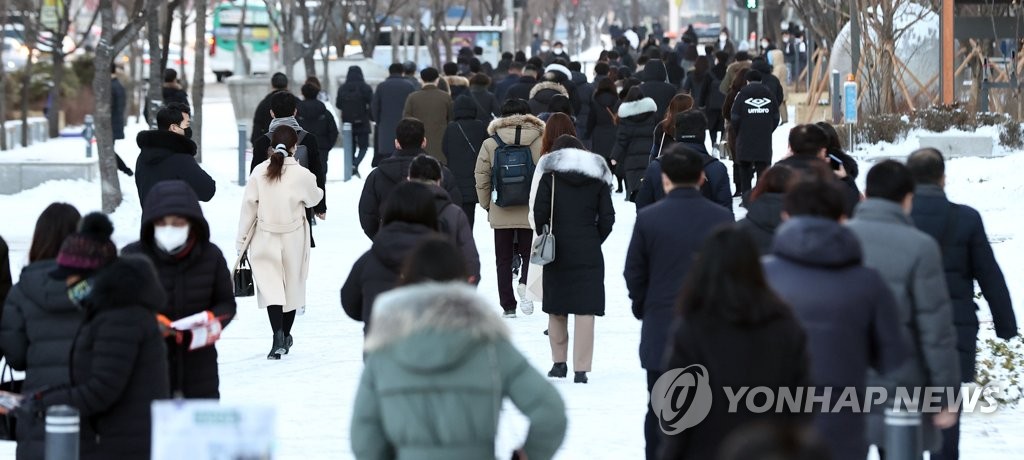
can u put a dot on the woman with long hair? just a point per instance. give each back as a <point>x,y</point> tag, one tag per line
<point>557,125</point>
<point>735,327</point>
<point>665,132</point>
<point>274,232</point>
<point>764,211</point>
<point>698,82</point>
<point>635,138</point>
<point>39,320</point>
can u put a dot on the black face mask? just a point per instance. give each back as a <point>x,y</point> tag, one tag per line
<point>79,292</point>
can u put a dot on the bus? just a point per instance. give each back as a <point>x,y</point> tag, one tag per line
<point>258,38</point>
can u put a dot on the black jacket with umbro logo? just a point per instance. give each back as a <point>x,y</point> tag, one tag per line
<point>755,115</point>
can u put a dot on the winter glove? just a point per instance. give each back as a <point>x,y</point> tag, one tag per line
<point>165,325</point>
<point>203,329</point>
<point>638,309</point>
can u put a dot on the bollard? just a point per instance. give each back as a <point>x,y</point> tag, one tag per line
<point>242,140</point>
<point>903,439</point>
<point>88,133</point>
<point>61,433</point>
<point>348,148</point>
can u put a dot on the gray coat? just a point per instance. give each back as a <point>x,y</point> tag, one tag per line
<point>386,110</point>
<point>909,261</point>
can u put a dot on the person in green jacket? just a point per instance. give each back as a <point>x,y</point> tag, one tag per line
<point>439,363</point>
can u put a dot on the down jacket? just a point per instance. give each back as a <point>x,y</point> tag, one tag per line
<point>635,138</point>
<point>531,134</point>
<point>164,155</point>
<point>382,181</point>
<point>542,93</point>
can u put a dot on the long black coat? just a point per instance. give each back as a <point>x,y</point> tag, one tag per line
<point>666,236</point>
<point>522,89</point>
<point>118,105</point>
<point>461,144</point>
<point>118,364</point>
<point>36,334</point>
<point>634,140</point>
<point>857,328</point>
<point>377,270</point>
<point>754,117</point>
<point>583,219</point>
<point>764,216</point>
<point>772,353</point>
<point>601,128</point>
<point>354,100</point>
<point>383,180</point>
<point>195,281</point>
<point>386,110</point>
<point>966,256</point>
<point>164,155</point>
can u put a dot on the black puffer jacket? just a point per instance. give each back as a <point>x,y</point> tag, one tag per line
<point>314,117</point>
<point>376,271</point>
<point>764,215</point>
<point>197,279</point>
<point>164,156</point>
<point>655,85</point>
<point>486,105</point>
<point>383,180</point>
<point>635,137</point>
<point>118,364</point>
<point>601,127</point>
<point>461,144</point>
<point>454,224</point>
<point>541,95</point>
<point>36,335</point>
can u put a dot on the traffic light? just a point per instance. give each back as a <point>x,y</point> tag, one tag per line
<point>752,4</point>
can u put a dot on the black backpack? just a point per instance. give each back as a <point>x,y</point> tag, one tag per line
<point>353,108</point>
<point>512,175</point>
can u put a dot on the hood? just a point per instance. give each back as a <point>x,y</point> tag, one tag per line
<point>441,197</point>
<point>635,108</point>
<point>464,107</point>
<point>157,145</point>
<point>607,99</point>
<point>568,161</point>
<point>509,123</point>
<point>526,79</point>
<point>432,327</point>
<point>130,281</point>
<point>355,74</point>
<point>696,147</point>
<point>762,66</point>
<point>881,210</point>
<point>579,79</point>
<point>47,293</point>
<point>455,80</point>
<point>654,70</point>
<point>817,242</point>
<point>173,197</point>
<point>550,88</point>
<point>766,212</point>
<point>396,167</point>
<point>395,241</point>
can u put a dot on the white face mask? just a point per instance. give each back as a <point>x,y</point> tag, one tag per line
<point>170,238</point>
<point>723,37</point>
<point>764,43</point>
<point>544,48</point>
<point>559,50</point>
<point>785,39</point>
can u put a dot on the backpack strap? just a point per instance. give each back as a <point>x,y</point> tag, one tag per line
<point>500,142</point>
<point>519,133</point>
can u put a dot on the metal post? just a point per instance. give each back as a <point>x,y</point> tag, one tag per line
<point>61,433</point>
<point>836,99</point>
<point>984,86</point>
<point>348,149</point>
<point>242,141</point>
<point>88,134</point>
<point>903,439</point>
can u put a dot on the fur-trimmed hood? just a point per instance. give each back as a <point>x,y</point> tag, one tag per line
<point>558,68</point>
<point>632,109</point>
<point>526,121</point>
<point>455,80</point>
<point>570,161</point>
<point>548,85</point>
<point>433,326</point>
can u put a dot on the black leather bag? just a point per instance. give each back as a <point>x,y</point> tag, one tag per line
<point>243,278</point>
<point>8,423</point>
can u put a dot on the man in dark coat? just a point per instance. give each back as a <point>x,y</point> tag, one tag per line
<point>355,99</point>
<point>666,237</point>
<point>966,257</point>
<point>395,170</point>
<point>386,110</point>
<point>118,105</point>
<point>847,310</point>
<point>171,89</point>
<point>656,86</point>
<point>261,120</point>
<point>166,154</point>
<point>461,144</point>
<point>451,220</point>
<point>175,237</point>
<point>409,73</point>
<point>523,88</point>
<point>755,115</point>
<point>691,127</point>
<point>433,107</point>
<point>910,262</point>
<point>809,144</point>
<point>515,72</point>
<point>761,65</point>
<point>314,117</point>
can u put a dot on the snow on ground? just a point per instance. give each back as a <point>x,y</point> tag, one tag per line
<point>313,387</point>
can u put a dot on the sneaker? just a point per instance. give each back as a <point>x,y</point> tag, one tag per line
<point>558,371</point>
<point>509,313</point>
<point>525,305</point>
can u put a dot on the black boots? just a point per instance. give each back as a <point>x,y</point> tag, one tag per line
<point>279,347</point>
<point>288,343</point>
<point>558,370</point>
<point>581,377</point>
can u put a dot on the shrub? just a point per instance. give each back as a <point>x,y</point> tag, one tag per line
<point>1001,364</point>
<point>1011,135</point>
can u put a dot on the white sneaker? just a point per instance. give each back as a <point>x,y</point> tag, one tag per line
<point>525,305</point>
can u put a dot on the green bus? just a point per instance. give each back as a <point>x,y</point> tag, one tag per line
<point>258,38</point>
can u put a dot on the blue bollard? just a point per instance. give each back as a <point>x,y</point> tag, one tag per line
<point>242,140</point>
<point>348,148</point>
<point>88,134</point>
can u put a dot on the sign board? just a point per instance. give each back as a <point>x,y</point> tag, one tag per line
<point>199,429</point>
<point>49,15</point>
<point>850,101</point>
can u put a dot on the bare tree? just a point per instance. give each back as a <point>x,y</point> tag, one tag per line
<point>372,18</point>
<point>885,72</point>
<point>199,78</point>
<point>825,18</point>
<point>154,91</point>
<point>109,45</point>
<point>312,36</point>
<point>3,82</point>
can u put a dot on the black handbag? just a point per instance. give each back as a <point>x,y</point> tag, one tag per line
<point>8,422</point>
<point>243,277</point>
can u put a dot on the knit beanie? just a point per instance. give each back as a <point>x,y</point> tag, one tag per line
<point>87,250</point>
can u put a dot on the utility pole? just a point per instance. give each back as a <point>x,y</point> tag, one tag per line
<point>855,37</point>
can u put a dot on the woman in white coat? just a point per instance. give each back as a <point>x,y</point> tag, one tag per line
<point>274,230</point>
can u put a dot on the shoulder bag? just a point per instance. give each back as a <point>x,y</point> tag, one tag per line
<point>544,245</point>
<point>242,273</point>
<point>8,423</point>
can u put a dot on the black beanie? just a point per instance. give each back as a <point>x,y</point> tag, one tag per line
<point>690,126</point>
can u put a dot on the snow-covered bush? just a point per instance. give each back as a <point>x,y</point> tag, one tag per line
<point>1001,363</point>
<point>1011,135</point>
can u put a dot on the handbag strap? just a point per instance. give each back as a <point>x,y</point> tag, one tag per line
<point>551,220</point>
<point>464,136</point>
<point>245,249</point>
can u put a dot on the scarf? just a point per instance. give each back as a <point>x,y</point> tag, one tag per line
<point>285,121</point>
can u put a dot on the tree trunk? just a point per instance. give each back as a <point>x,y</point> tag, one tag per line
<point>307,39</point>
<point>154,92</point>
<point>55,104</point>
<point>199,79</point>
<point>634,14</point>
<point>183,30</point>
<point>110,183</point>
<point>166,12</point>
<point>3,83</point>
<point>26,81</point>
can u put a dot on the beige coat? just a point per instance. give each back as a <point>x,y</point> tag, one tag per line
<point>279,246</point>
<point>532,133</point>
<point>433,107</point>
<point>782,73</point>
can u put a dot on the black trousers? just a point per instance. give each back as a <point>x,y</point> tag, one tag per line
<point>950,444</point>
<point>652,432</point>
<point>716,124</point>
<point>507,243</point>
<point>745,170</point>
<point>362,143</point>
<point>470,210</point>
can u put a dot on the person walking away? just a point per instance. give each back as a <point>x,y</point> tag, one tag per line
<point>524,86</point>
<point>966,257</point>
<point>486,104</point>
<point>849,313</point>
<point>555,127</point>
<point>175,237</point>
<point>665,238</point>
<point>764,210</point>
<point>435,258</point>
<point>261,120</point>
<point>656,86</point>
<point>409,72</point>
<point>809,145</point>
<point>461,145</point>
<point>172,90</point>
<point>755,115</point>
<point>117,363</point>
<point>355,101</point>
<point>395,170</point>
<point>386,109</point>
<point>602,123</point>
<point>911,263</point>
<point>433,107</point>
<point>638,116</point>
<point>39,320</point>
<point>698,82</point>
<point>665,130</point>
<point>542,94</point>
<point>768,79</point>
<point>274,232</point>
<point>516,131</point>
<point>165,153</point>
<point>741,62</point>
<point>716,100</point>
<point>402,408</point>
<point>118,105</point>
<point>451,221</point>
<point>572,198</point>
<point>410,216</point>
<point>733,325</point>
<point>515,72</point>
<point>312,114</point>
<point>457,85</point>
